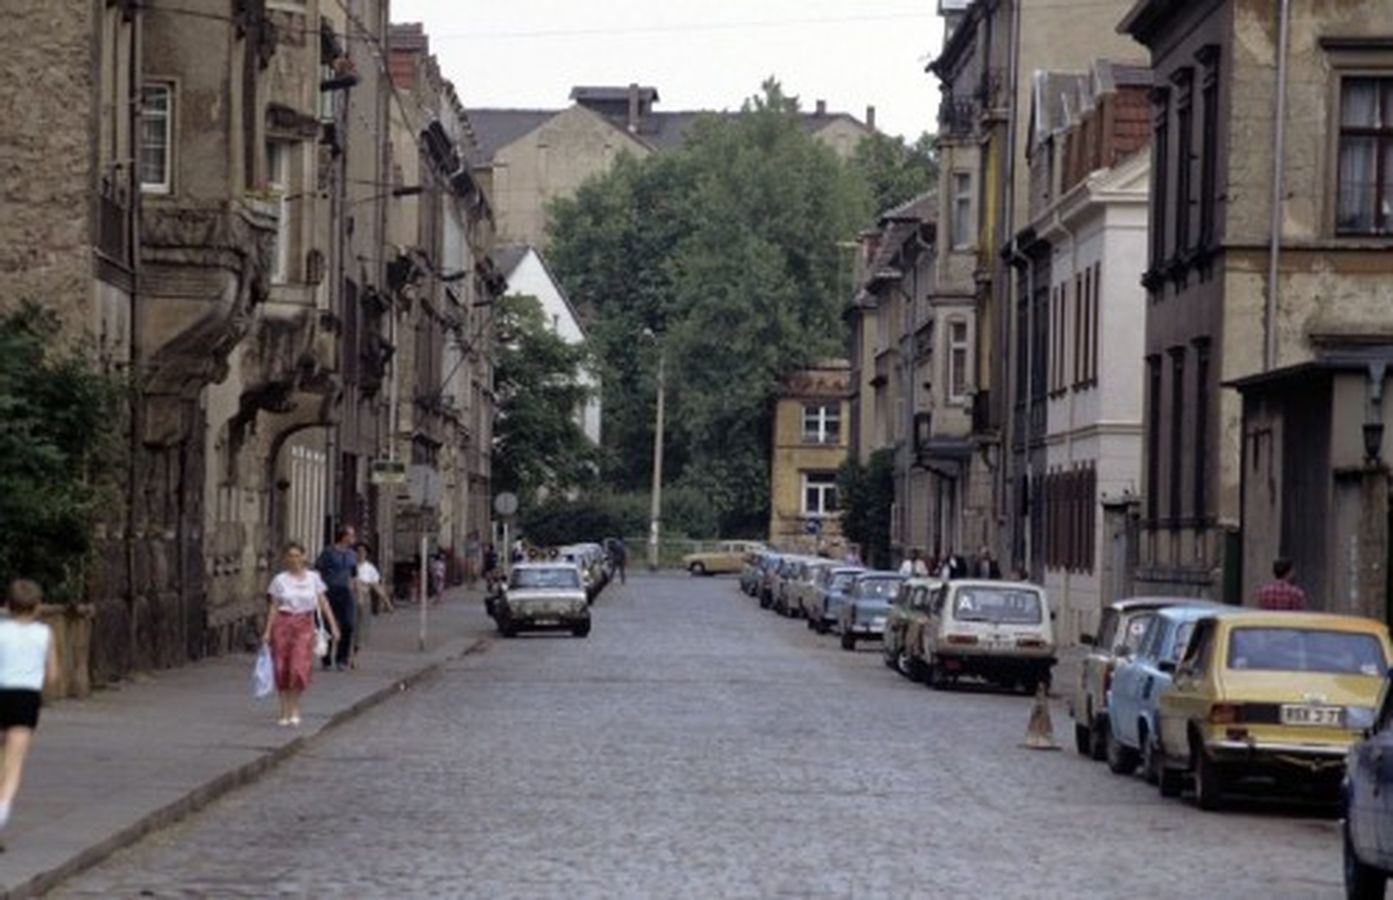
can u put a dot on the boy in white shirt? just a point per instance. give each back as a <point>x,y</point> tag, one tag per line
<point>27,662</point>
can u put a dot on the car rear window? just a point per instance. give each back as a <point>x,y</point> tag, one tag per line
<point>878,587</point>
<point>842,582</point>
<point>1007,607</point>
<point>1306,650</point>
<point>559,577</point>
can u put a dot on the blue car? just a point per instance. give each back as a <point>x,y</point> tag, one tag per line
<point>1368,800</point>
<point>832,593</point>
<point>862,609</point>
<point>1136,685</point>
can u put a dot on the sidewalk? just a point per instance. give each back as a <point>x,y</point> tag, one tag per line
<point>108,770</point>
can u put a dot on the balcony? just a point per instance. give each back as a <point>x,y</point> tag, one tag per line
<point>957,117</point>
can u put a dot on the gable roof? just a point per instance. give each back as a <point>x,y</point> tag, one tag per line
<point>510,256</point>
<point>495,129</point>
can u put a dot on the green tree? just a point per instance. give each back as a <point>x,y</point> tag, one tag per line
<point>725,250</point>
<point>895,170</point>
<point>538,442</point>
<point>867,494</point>
<point>59,430</point>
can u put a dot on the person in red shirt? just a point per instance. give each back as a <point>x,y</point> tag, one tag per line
<point>1281,593</point>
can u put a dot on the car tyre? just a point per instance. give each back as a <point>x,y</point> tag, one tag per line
<point>581,631</point>
<point>1083,739</point>
<point>697,569</point>
<point>913,667</point>
<point>936,677</point>
<point>822,626</point>
<point>507,629</point>
<point>1150,755</point>
<point>1098,739</point>
<point>848,641</point>
<point>1362,882</point>
<point>1209,781</point>
<point>1122,760</point>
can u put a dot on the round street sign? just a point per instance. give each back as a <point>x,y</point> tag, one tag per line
<point>505,504</point>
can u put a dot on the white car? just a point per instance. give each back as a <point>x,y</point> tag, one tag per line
<point>998,631</point>
<point>543,597</point>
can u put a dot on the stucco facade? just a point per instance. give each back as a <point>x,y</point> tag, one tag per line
<point>810,442</point>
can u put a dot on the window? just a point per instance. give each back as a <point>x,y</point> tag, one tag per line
<point>156,132</point>
<point>1160,189</point>
<point>962,209</point>
<point>822,423</point>
<point>278,181</point>
<point>1209,144</point>
<point>1201,427</point>
<point>1365,203</point>
<point>819,493</point>
<point>1177,431</point>
<point>958,349</point>
<point>1153,437</point>
<point>1097,314</point>
<point>1184,162</point>
<point>1078,329</point>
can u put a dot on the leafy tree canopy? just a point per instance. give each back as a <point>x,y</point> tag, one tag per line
<point>895,170</point>
<point>538,441</point>
<point>722,256</point>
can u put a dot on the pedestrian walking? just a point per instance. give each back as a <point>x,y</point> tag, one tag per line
<point>28,661</point>
<point>985,565</point>
<point>914,566</point>
<point>368,596</point>
<point>437,575</point>
<point>619,555</point>
<point>1282,593</point>
<point>293,597</point>
<point>853,555</point>
<point>338,567</point>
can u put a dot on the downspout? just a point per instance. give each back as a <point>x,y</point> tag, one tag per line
<point>134,75</point>
<point>1029,337</point>
<point>1008,219</point>
<point>1066,600</point>
<point>1278,176</point>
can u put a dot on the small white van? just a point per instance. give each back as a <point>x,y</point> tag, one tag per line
<point>998,631</point>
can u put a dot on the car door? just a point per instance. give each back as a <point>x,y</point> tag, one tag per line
<point>1129,681</point>
<point>1186,696</point>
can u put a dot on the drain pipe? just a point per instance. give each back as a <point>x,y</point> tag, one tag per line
<point>1278,177</point>
<point>1024,262</point>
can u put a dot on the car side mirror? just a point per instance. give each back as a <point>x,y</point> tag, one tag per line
<point>1167,666</point>
<point>1088,640</point>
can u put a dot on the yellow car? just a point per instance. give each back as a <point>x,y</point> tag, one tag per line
<point>728,557</point>
<point>1270,698</point>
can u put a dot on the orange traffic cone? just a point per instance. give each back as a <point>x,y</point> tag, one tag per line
<point>1039,734</point>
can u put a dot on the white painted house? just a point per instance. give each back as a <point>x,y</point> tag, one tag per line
<point>528,273</point>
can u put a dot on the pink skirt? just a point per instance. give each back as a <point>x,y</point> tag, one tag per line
<point>292,650</point>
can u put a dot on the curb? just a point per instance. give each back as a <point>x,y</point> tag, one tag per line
<point>200,797</point>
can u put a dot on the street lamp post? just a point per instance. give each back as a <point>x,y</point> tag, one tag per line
<point>655,511</point>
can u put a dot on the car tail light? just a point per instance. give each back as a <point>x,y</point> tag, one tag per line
<point>1029,642</point>
<point>1225,713</point>
<point>962,638</point>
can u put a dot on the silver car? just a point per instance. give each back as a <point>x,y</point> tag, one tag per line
<point>543,597</point>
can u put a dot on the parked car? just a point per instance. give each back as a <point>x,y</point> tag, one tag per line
<point>803,581</point>
<point>820,603</point>
<point>727,558</point>
<point>862,616</point>
<point>752,572</point>
<point>542,597</point>
<point>1138,681</point>
<point>1278,697</point>
<point>905,622</point>
<point>998,631</point>
<point>784,574</point>
<point>1119,631</point>
<point>1368,807</point>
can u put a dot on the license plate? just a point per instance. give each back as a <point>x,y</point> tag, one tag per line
<point>545,622</point>
<point>878,622</point>
<point>1328,716</point>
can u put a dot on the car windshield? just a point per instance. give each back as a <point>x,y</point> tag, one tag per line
<point>1306,650</point>
<point>552,577</point>
<point>1002,606</point>
<point>842,582</point>
<point>881,588</point>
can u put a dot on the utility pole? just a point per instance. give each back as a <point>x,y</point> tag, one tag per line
<point>656,509</point>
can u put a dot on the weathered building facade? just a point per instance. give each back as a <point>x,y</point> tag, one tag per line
<point>809,445</point>
<point>1268,329</point>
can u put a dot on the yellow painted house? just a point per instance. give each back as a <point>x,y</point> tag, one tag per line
<point>811,431</point>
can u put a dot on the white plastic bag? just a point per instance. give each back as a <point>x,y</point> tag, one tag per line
<point>263,674</point>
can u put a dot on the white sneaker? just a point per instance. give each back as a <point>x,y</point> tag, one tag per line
<point>295,721</point>
<point>283,721</point>
<point>4,814</point>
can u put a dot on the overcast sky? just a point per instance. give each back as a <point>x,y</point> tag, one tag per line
<point>704,54</point>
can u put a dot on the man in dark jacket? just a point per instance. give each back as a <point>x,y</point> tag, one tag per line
<point>338,568</point>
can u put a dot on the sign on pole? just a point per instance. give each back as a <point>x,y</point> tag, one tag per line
<point>505,504</point>
<point>387,471</point>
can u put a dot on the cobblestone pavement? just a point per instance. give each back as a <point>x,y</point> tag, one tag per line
<point>695,746</point>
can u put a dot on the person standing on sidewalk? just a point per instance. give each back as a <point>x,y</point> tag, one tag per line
<point>338,567</point>
<point>27,661</point>
<point>368,597</point>
<point>294,595</point>
<point>1282,593</point>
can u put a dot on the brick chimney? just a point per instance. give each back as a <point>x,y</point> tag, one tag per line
<point>870,117</point>
<point>633,108</point>
<point>822,107</point>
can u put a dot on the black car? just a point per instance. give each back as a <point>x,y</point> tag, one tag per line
<point>1368,798</point>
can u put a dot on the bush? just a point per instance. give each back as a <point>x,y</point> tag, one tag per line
<point>58,433</point>
<point>555,521</point>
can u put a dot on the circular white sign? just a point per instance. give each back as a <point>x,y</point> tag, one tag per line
<point>505,504</point>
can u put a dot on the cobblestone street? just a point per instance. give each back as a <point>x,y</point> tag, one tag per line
<point>695,746</point>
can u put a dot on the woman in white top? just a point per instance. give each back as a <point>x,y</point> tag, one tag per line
<point>369,595</point>
<point>27,661</point>
<point>295,595</point>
